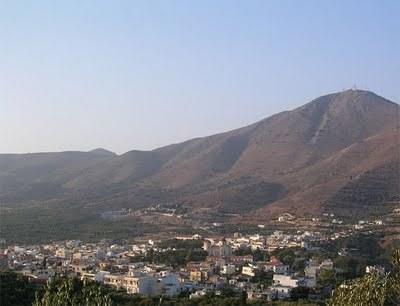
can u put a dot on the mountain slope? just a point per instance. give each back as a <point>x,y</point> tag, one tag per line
<point>306,160</point>
<point>41,175</point>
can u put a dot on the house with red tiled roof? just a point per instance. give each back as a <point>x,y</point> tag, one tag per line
<point>276,266</point>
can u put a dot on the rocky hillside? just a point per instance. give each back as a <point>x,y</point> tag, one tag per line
<point>338,152</point>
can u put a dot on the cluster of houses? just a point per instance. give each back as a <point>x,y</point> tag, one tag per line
<point>111,264</point>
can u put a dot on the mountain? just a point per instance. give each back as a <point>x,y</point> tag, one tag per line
<point>40,176</point>
<point>324,156</point>
<point>103,152</point>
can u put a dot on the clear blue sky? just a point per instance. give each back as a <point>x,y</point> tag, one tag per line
<point>76,75</point>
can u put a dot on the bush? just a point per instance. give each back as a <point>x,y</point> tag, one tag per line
<point>16,290</point>
<point>372,289</point>
<point>72,292</point>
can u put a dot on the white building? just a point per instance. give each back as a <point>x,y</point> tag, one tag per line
<point>220,249</point>
<point>249,271</point>
<point>375,269</point>
<point>228,269</point>
<point>99,276</point>
<point>171,285</point>
<point>145,285</point>
<point>286,280</point>
<point>276,266</point>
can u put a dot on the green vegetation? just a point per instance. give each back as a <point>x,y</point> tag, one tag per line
<point>16,290</point>
<point>181,244</point>
<point>258,255</point>
<point>207,300</point>
<point>263,278</point>
<point>372,289</point>
<point>28,224</point>
<point>300,293</point>
<point>72,292</point>
<point>326,278</point>
<point>178,253</point>
<point>286,256</point>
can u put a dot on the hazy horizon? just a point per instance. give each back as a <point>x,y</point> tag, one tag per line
<point>141,75</point>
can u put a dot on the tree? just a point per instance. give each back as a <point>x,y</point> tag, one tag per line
<point>372,289</point>
<point>15,289</point>
<point>287,256</point>
<point>71,291</point>
<point>326,277</point>
<point>260,255</point>
<point>298,293</point>
<point>299,265</point>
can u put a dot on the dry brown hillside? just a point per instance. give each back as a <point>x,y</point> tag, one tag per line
<point>325,155</point>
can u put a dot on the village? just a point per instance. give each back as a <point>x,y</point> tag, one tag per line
<point>269,267</point>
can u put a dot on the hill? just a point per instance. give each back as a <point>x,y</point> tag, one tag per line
<point>325,155</point>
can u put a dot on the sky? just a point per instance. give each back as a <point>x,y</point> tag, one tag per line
<point>124,75</point>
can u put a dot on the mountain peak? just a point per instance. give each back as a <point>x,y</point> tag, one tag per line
<point>349,97</point>
<point>103,152</point>
<point>356,93</point>
<point>361,97</point>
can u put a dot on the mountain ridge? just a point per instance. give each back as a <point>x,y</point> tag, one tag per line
<point>295,160</point>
